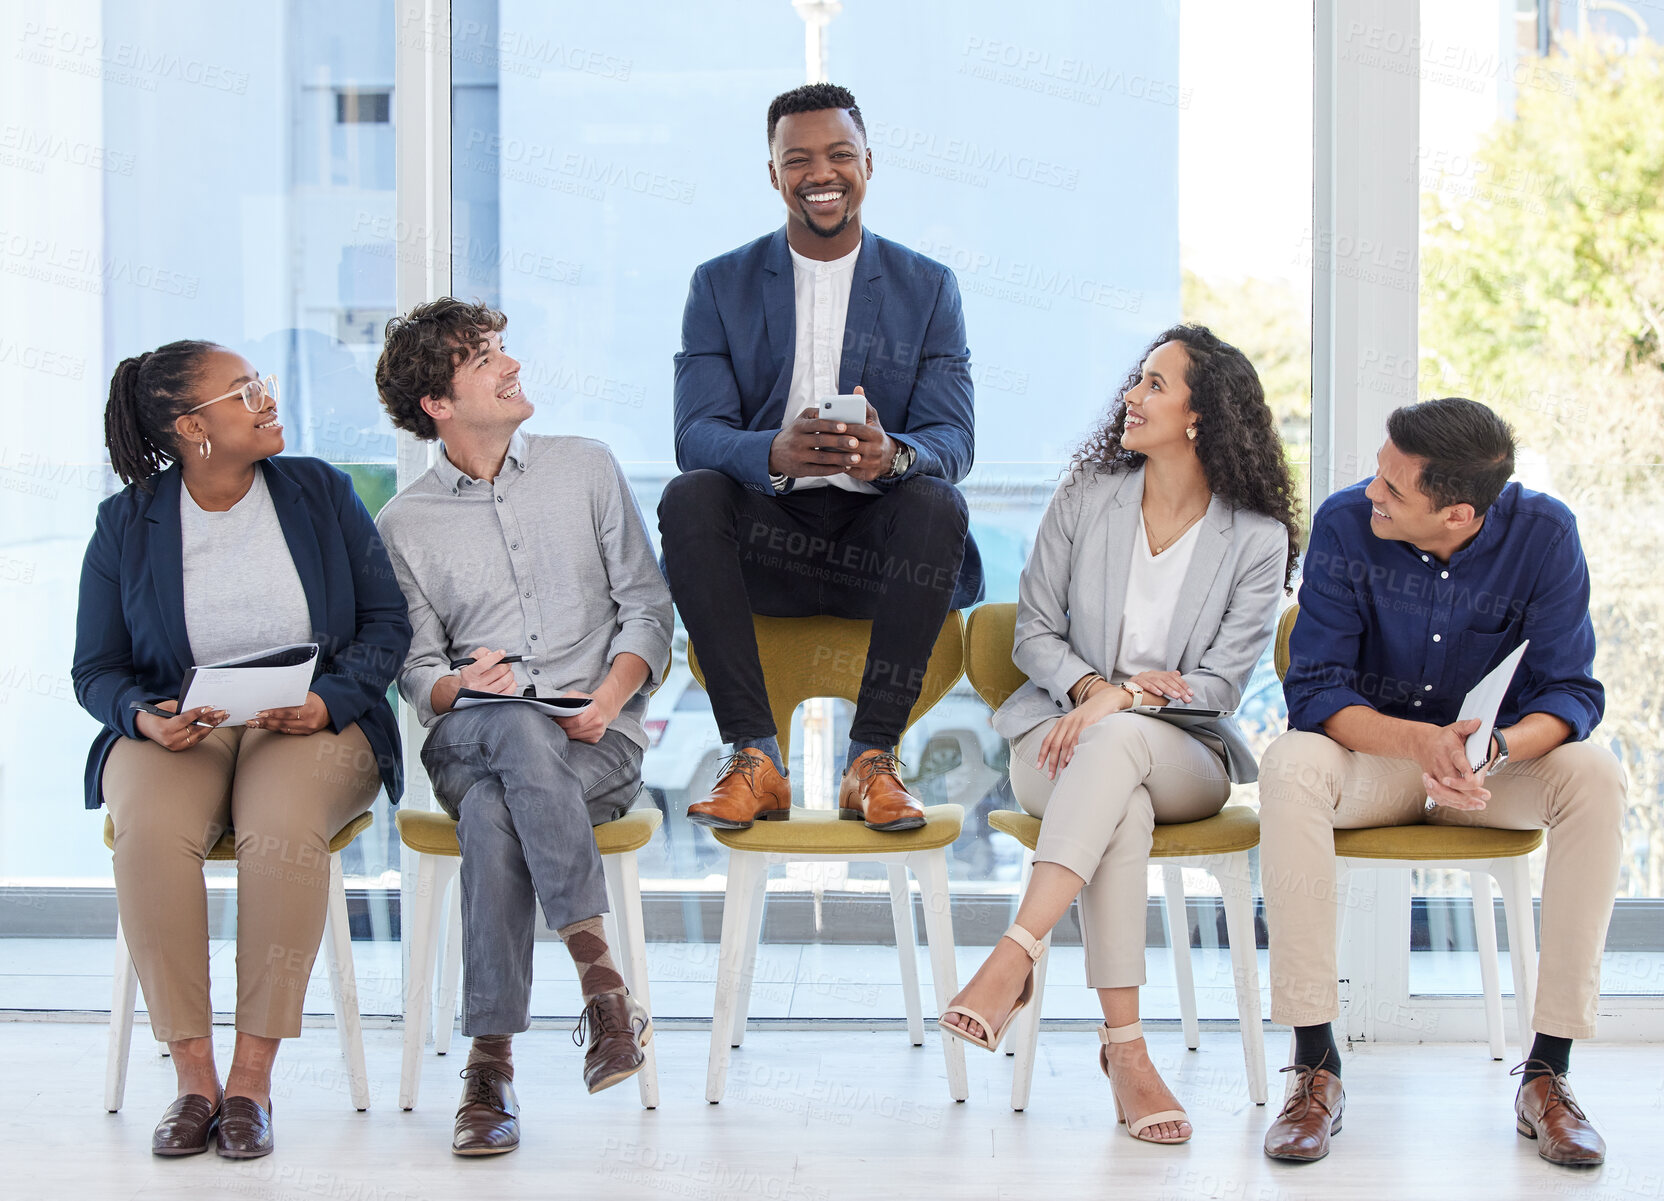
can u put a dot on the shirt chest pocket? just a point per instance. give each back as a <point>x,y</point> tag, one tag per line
<point>1476,653</point>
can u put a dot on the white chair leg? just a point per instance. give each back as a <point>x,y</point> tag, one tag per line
<point>1178,938</point>
<point>907,949</point>
<point>1025,1039</point>
<point>1514,875</point>
<point>124,995</point>
<point>1022,891</point>
<point>753,936</point>
<point>746,872</point>
<point>1236,888</point>
<point>422,910</point>
<point>931,870</point>
<point>1484,941</point>
<point>343,985</point>
<point>624,889</point>
<point>450,938</point>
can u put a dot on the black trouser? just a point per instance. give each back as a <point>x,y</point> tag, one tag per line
<point>892,559</point>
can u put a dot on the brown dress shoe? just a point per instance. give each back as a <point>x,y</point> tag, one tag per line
<point>1310,1115</point>
<point>1546,1111</point>
<point>488,1116</point>
<point>747,788</point>
<point>872,792</point>
<point>245,1129</point>
<point>187,1127</point>
<point>618,1028</point>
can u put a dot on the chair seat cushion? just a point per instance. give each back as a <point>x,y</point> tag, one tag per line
<point>225,850</point>
<point>819,832</point>
<point>1233,828</point>
<point>431,833</point>
<point>1432,843</point>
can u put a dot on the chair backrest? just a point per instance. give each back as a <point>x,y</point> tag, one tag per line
<point>1285,630</point>
<point>988,665</point>
<point>805,657</point>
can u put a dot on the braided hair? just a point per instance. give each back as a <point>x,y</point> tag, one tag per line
<point>148,392</point>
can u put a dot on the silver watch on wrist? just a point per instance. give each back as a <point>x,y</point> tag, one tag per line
<point>1501,756</point>
<point>902,462</point>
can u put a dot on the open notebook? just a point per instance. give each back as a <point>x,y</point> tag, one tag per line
<point>275,678</point>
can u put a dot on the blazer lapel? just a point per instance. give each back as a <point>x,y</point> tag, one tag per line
<point>1212,540</point>
<point>292,515</point>
<point>866,297</point>
<point>780,319</point>
<point>167,561</point>
<point>1122,527</point>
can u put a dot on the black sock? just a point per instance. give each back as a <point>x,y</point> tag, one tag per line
<point>1314,1046</point>
<point>1554,1054</point>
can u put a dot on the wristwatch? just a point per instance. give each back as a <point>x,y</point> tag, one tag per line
<point>1136,692</point>
<point>1501,755</point>
<point>903,460</point>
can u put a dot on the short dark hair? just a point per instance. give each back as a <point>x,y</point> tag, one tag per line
<point>812,98</point>
<point>422,351</point>
<point>1467,451</point>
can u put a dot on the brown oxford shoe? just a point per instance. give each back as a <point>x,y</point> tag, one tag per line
<point>1545,1110</point>
<point>618,1028</point>
<point>187,1127</point>
<point>748,788</point>
<point>872,792</point>
<point>488,1116</point>
<point>1310,1115</point>
<point>245,1129</point>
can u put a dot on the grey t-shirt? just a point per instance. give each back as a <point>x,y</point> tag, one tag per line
<point>242,593</point>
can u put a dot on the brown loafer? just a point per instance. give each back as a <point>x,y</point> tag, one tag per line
<point>872,792</point>
<point>488,1116</point>
<point>748,788</point>
<point>187,1127</point>
<point>245,1129</point>
<point>1545,1110</point>
<point>1310,1115</point>
<point>618,1028</point>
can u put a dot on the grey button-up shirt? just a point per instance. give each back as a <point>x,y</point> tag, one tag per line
<point>549,560</point>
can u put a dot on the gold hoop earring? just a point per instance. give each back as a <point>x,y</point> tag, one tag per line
<point>1190,432</point>
<point>205,448</point>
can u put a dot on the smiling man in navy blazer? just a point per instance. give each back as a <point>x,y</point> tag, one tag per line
<point>782,514</point>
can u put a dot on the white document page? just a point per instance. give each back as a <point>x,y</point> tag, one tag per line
<point>277,678</point>
<point>555,706</point>
<point>1483,703</point>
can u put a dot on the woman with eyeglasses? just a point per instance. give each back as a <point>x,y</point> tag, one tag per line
<point>216,549</point>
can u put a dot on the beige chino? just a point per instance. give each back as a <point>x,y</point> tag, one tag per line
<point>1098,819</point>
<point>285,795</point>
<point>1311,786</point>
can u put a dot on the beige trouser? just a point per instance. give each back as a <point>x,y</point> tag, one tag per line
<point>1311,786</point>
<point>1098,818</point>
<point>285,795</point>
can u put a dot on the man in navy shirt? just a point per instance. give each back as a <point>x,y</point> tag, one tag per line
<point>1416,584</point>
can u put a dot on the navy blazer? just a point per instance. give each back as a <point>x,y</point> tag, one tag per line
<point>904,345</point>
<point>130,637</point>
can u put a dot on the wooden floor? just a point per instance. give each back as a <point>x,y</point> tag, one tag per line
<point>820,1116</point>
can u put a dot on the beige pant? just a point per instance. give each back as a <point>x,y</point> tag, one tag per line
<point>286,795</point>
<point>1098,818</point>
<point>1311,786</point>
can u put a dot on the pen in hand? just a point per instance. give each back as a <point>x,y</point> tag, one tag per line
<point>158,711</point>
<point>459,664</point>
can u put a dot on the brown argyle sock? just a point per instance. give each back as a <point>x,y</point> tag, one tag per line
<point>493,1050</point>
<point>586,942</point>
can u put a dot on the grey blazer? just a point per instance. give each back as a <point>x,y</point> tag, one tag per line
<point>1072,594</point>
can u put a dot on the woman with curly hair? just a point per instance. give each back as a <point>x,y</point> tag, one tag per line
<point>1154,581</point>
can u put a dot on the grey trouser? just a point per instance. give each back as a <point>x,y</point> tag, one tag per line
<point>1311,786</point>
<point>1099,816</point>
<point>525,798</point>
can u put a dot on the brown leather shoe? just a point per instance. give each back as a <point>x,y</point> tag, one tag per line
<point>1546,1111</point>
<point>488,1116</point>
<point>618,1028</point>
<point>187,1127</point>
<point>1310,1115</point>
<point>748,788</point>
<point>245,1129</point>
<point>872,792</point>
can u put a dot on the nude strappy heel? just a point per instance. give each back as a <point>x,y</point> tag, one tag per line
<point>1108,1034</point>
<point>990,1040</point>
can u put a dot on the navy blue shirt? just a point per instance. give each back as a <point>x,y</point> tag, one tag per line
<point>1386,625</point>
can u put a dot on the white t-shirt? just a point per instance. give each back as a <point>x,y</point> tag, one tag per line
<point>1153,584</point>
<point>822,293</point>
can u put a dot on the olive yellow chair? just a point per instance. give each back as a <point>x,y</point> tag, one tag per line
<point>432,836</point>
<point>343,981</point>
<point>1483,854</point>
<point>805,657</point>
<point>1218,844</point>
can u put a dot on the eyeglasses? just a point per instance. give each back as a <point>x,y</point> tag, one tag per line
<point>253,395</point>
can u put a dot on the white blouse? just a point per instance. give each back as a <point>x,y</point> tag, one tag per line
<point>1153,584</point>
